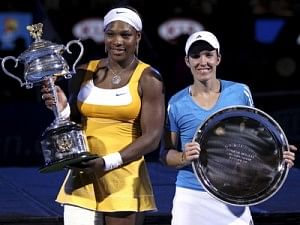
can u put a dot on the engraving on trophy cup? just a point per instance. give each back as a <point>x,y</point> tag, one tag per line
<point>63,142</point>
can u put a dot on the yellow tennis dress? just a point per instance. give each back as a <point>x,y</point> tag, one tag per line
<point>111,122</point>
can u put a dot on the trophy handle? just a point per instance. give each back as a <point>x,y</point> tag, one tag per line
<point>78,58</point>
<point>28,85</point>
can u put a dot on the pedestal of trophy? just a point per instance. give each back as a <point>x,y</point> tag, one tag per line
<point>64,144</point>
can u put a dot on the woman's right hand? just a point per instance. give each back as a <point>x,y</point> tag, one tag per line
<point>191,152</point>
<point>49,98</point>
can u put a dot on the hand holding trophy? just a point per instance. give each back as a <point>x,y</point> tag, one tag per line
<point>63,142</point>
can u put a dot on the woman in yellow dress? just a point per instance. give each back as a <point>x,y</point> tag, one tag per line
<point>119,100</point>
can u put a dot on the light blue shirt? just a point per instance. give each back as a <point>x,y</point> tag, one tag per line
<point>185,117</point>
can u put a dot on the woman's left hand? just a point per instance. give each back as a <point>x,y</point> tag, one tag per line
<point>289,156</point>
<point>90,166</point>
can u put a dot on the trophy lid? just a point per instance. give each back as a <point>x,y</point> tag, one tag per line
<point>39,47</point>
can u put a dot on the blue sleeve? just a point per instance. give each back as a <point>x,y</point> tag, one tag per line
<point>248,96</point>
<point>171,125</point>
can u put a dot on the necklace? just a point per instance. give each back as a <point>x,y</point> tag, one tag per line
<point>116,79</point>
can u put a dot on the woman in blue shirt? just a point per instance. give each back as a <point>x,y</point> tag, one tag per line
<point>186,110</point>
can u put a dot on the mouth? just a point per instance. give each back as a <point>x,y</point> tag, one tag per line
<point>203,70</point>
<point>117,51</point>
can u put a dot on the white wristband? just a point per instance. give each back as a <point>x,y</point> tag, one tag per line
<point>65,113</point>
<point>112,161</point>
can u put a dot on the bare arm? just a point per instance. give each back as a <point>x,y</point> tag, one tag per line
<point>173,157</point>
<point>62,101</point>
<point>152,117</point>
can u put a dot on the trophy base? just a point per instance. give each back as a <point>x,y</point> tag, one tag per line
<point>63,144</point>
<point>64,163</point>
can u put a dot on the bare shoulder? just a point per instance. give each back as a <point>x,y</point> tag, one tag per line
<point>76,80</point>
<point>99,64</point>
<point>80,71</point>
<point>83,70</point>
<point>82,67</point>
<point>151,74</point>
<point>151,82</point>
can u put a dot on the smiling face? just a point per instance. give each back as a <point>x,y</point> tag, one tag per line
<point>202,60</point>
<point>121,40</point>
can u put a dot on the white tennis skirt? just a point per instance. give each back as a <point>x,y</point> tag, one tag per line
<point>74,215</point>
<point>191,207</point>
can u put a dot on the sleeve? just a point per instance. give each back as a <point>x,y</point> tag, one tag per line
<point>171,124</point>
<point>248,96</point>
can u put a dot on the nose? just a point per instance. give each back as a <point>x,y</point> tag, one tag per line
<point>118,40</point>
<point>202,60</point>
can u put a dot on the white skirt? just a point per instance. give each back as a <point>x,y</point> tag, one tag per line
<point>74,215</point>
<point>191,207</point>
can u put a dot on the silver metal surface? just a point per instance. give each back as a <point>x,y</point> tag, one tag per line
<point>64,141</point>
<point>42,59</point>
<point>63,144</point>
<point>241,160</point>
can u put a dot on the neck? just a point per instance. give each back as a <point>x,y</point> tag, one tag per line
<point>205,87</point>
<point>121,65</point>
<point>116,79</point>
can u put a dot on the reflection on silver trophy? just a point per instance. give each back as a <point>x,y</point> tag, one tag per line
<point>63,142</point>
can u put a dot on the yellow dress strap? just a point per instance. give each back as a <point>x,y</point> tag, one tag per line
<point>139,70</point>
<point>93,65</point>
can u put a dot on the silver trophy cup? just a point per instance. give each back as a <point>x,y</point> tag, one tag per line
<point>63,142</point>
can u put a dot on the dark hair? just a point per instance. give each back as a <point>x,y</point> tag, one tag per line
<point>199,46</point>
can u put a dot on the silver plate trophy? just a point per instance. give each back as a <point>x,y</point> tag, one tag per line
<point>241,160</point>
<point>63,142</point>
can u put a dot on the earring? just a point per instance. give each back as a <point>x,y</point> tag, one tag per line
<point>137,49</point>
<point>105,49</point>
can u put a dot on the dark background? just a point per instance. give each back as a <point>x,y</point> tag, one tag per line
<point>270,69</point>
